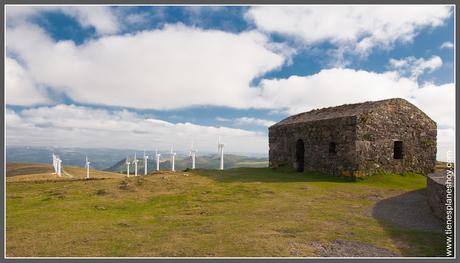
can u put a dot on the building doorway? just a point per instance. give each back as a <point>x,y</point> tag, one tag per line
<point>300,155</point>
<point>398,150</point>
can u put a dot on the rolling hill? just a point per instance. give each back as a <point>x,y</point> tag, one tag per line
<point>182,162</point>
<point>16,172</point>
<point>113,159</point>
<point>242,212</point>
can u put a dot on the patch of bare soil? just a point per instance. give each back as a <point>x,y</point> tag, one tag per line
<point>347,248</point>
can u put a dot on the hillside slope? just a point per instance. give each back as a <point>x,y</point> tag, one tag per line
<point>38,172</point>
<point>242,212</point>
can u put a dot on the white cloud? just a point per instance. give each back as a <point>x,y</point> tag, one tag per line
<point>196,13</point>
<point>99,17</point>
<point>20,88</point>
<point>247,121</point>
<point>76,126</point>
<point>179,66</point>
<point>223,119</point>
<point>332,87</point>
<point>173,67</point>
<point>446,144</point>
<point>137,18</point>
<point>414,67</point>
<point>359,28</point>
<point>254,121</point>
<point>447,45</point>
<point>438,102</point>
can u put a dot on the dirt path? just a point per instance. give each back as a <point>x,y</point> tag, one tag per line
<point>347,248</point>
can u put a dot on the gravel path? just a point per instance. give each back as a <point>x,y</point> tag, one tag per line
<point>346,248</point>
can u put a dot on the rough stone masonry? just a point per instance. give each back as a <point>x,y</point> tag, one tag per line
<point>440,193</point>
<point>356,139</point>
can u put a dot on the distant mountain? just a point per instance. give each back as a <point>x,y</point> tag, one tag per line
<point>114,159</point>
<point>99,158</point>
<point>205,161</point>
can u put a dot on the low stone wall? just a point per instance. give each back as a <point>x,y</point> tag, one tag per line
<point>437,193</point>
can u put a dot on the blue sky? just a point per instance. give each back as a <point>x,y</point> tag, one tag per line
<point>83,60</point>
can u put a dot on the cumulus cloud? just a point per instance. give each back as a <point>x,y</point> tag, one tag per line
<point>176,66</point>
<point>447,45</point>
<point>360,28</point>
<point>414,67</point>
<point>179,66</point>
<point>20,88</point>
<point>100,17</point>
<point>331,87</point>
<point>254,121</point>
<point>77,126</point>
<point>438,102</point>
<point>294,94</point>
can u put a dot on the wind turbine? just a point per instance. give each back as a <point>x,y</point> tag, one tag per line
<point>193,155</point>
<point>157,155</point>
<point>146,158</point>
<point>220,150</point>
<point>54,164</point>
<point>173,159</point>
<point>87,167</point>
<point>127,166</point>
<point>59,162</point>
<point>135,164</point>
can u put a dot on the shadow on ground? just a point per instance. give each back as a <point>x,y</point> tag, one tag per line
<point>411,224</point>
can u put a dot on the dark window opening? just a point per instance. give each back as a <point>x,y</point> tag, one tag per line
<point>332,148</point>
<point>398,150</point>
<point>300,155</point>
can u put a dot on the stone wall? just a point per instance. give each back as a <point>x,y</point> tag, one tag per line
<point>316,137</point>
<point>396,121</point>
<point>364,142</point>
<point>437,193</point>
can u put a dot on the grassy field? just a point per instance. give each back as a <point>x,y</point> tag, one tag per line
<point>236,212</point>
<point>43,172</point>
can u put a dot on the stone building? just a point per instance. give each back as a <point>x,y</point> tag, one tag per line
<point>356,139</point>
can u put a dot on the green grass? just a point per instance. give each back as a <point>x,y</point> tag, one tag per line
<point>252,164</point>
<point>237,212</point>
<point>406,181</point>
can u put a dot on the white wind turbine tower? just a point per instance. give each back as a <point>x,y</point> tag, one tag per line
<point>220,150</point>
<point>58,164</point>
<point>135,164</point>
<point>193,155</point>
<point>127,166</point>
<point>54,164</point>
<point>146,158</point>
<point>173,159</point>
<point>157,155</point>
<point>87,167</point>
